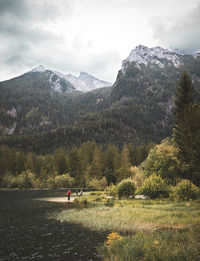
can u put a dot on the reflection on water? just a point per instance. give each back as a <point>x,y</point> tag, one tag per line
<point>27,234</point>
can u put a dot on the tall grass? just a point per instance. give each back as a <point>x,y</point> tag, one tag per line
<point>167,245</point>
<point>132,216</point>
<point>153,230</point>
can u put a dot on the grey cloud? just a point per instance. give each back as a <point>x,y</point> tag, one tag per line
<point>107,63</point>
<point>19,39</point>
<point>182,33</point>
<point>23,46</point>
<point>20,15</point>
<point>17,7</point>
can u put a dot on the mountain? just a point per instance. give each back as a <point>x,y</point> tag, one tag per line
<point>40,100</point>
<point>30,104</point>
<point>57,81</point>
<point>66,83</point>
<point>86,82</point>
<point>147,83</point>
<point>154,70</point>
<point>137,109</point>
<point>33,103</point>
<point>152,56</point>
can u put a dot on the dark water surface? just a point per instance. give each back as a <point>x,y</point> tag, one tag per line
<point>26,232</point>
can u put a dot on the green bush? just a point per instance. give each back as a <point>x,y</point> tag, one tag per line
<point>24,180</point>
<point>64,181</point>
<point>155,187</point>
<point>51,183</point>
<point>126,188</point>
<point>112,191</point>
<point>97,183</point>
<point>60,181</point>
<point>163,160</point>
<point>184,190</point>
<point>9,181</point>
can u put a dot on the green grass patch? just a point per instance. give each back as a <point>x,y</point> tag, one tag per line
<point>167,245</point>
<point>151,229</point>
<point>129,216</point>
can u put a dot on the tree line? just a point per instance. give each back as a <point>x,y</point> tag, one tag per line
<point>85,166</point>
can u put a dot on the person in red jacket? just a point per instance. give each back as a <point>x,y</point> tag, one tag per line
<point>68,194</point>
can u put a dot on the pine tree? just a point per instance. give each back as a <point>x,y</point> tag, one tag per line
<point>111,163</point>
<point>20,161</point>
<point>86,152</point>
<point>96,170</point>
<point>60,161</point>
<point>186,119</point>
<point>124,170</point>
<point>75,167</point>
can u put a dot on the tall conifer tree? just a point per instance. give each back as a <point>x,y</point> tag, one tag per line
<point>185,132</point>
<point>182,132</point>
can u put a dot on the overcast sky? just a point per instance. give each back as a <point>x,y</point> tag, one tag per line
<point>91,35</point>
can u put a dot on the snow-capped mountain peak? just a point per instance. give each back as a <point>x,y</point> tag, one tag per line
<point>57,80</point>
<point>154,56</point>
<point>39,68</point>
<point>83,75</point>
<point>86,82</point>
<point>68,82</point>
<point>59,83</point>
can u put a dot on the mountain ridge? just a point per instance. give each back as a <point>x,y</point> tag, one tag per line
<point>144,55</point>
<point>85,82</point>
<point>136,109</point>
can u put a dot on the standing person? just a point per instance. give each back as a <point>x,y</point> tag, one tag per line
<point>68,194</point>
<point>81,192</point>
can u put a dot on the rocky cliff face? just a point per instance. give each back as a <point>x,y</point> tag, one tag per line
<point>86,82</point>
<point>66,83</point>
<point>153,56</point>
<point>154,68</point>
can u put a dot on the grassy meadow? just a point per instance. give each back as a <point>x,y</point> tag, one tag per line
<point>149,229</point>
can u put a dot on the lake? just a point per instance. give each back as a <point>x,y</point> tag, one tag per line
<point>28,233</point>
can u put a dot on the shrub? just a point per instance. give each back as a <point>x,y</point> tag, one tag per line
<point>82,201</point>
<point>63,181</point>
<point>24,180</point>
<point>112,191</point>
<point>98,183</point>
<point>163,160</point>
<point>126,188</point>
<point>184,190</point>
<point>155,187</point>
<point>60,181</point>
<point>137,176</point>
<point>9,181</point>
<point>51,183</point>
<point>40,183</point>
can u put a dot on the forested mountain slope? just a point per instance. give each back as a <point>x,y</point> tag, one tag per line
<point>137,109</point>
